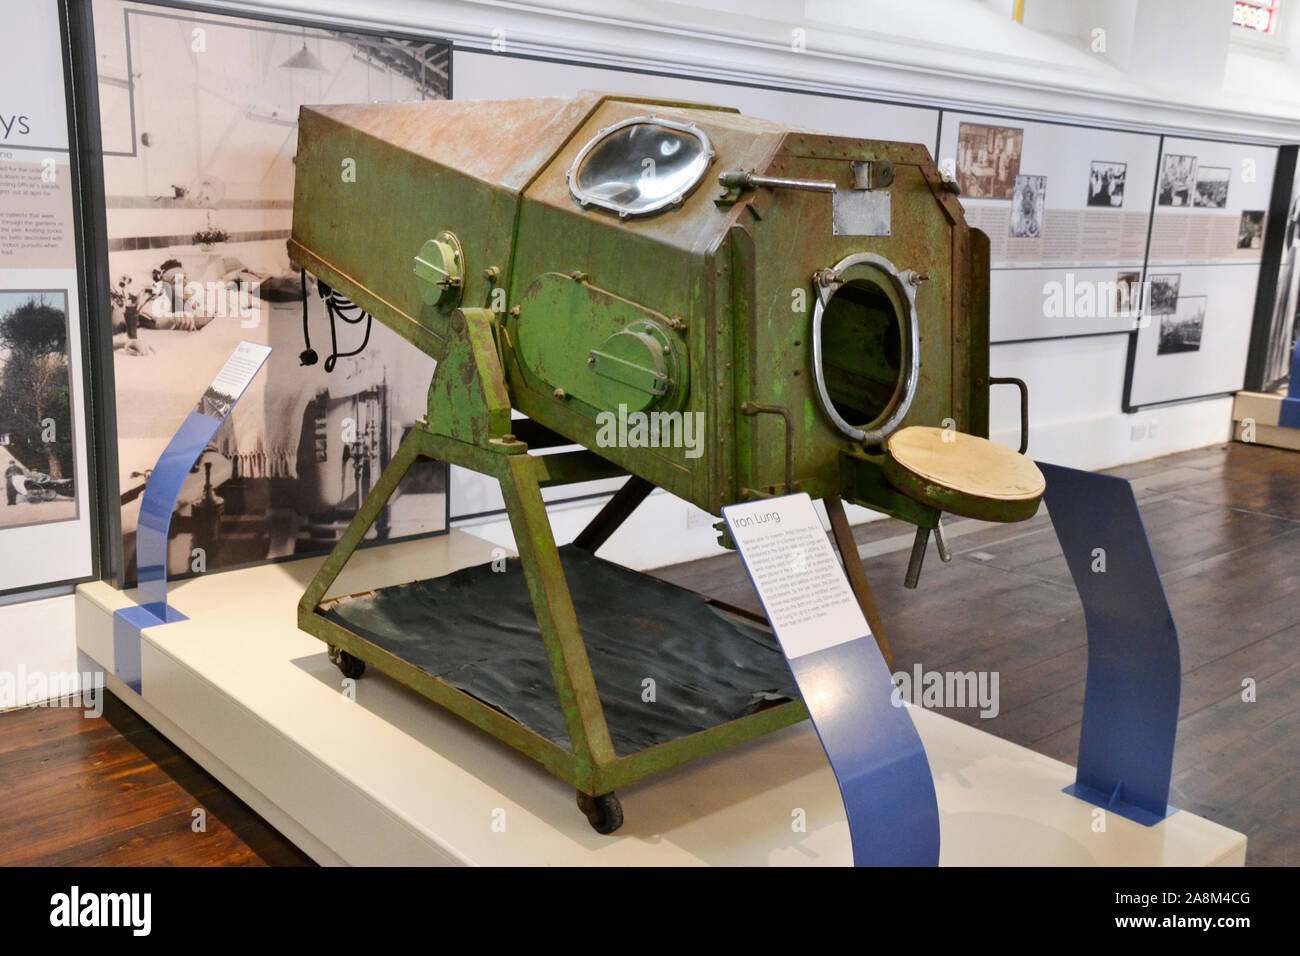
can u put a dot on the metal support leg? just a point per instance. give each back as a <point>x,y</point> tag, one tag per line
<point>917,558</point>
<point>848,548</point>
<point>617,510</point>
<point>553,605</point>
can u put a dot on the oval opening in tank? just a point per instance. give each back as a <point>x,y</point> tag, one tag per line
<point>862,352</point>
<point>639,166</point>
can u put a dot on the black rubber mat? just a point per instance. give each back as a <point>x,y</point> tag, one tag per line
<point>476,630</point>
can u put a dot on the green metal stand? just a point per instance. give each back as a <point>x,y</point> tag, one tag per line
<point>468,425</point>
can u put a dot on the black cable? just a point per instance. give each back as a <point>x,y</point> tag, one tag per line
<point>336,307</point>
<point>308,355</point>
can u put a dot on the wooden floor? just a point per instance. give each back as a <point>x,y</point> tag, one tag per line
<point>1224,524</point>
<point>111,791</point>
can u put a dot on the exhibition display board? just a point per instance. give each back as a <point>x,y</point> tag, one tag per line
<point>1066,209</point>
<point>45,516</point>
<point>198,201</point>
<point>1278,301</point>
<point>1207,238</point>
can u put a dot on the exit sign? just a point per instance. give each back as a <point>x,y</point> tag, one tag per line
<point>1257,15</point>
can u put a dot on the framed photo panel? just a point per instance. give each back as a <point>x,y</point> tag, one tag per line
<point>197,114</point>
<point>46,520</point>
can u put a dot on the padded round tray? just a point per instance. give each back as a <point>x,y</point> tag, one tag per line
<point>963,474</point>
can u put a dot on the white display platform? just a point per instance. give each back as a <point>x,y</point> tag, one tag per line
<point>1263,409</point>
<point>394,779</point>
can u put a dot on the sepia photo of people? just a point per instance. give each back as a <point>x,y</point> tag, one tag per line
<point>36,447</point>
<point>1177,180</point>
<point>1028,205</point>
<point>1212,187</point>
<point>1181,331</point>
<point>1106,184</point>
<point>1250,232</point>
<point>1164,294</point>
<point>199,180</point>
<point>988,160</point>
<point>1128,290</point>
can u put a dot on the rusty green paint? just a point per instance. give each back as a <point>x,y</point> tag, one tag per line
<point>590,361</point>
<point>468,400</point>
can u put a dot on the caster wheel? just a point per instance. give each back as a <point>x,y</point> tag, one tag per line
<point>604,813</point>
<point>348,665</point>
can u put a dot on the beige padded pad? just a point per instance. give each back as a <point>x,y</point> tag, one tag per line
<point>966,464</point>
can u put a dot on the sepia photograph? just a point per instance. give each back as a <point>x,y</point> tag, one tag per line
<point>1028,206</point>
<point>1250,233</point>
<point>1212,186</point>
<point>1181,331</point>
<point>1128,291</point>
<point>1177,180</point>
<point>36,447</point>
<point>1164,294</point>
<point>199,207</point>
<point>1106,184</point>
<point>988,160</point>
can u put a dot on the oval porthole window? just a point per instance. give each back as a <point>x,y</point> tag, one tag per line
<point>640,166</point>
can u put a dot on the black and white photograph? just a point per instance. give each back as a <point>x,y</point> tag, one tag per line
<point>1177,180</point>
<point>1181,330</point>
<point>1212,186</point>
<point>988,160</point>
<point>1028,206</point>
<point>1283,326</point>
<point>1164,294</point>
<point>215,403</point>
<point>1128,292</point>
<point>1250,232</point>
<point>1106,184</point>
<point>199,208</point>
<point>36,446</point>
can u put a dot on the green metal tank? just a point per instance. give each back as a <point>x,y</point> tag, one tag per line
<point>720,306</point>
<point>829,295</point>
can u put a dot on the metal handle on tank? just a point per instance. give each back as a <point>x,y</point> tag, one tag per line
<point>1024,407</point>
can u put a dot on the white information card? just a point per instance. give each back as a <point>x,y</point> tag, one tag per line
<point>797,575</point>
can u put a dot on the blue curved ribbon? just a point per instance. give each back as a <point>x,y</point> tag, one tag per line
<point>1130,703</point>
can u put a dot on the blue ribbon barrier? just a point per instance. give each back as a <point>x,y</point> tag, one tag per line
<point>872,745</point>
<point>1288,416</point>
<point>1130,705</point>
<point>158,504</point>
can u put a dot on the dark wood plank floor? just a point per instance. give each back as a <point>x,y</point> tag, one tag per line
<point>1224,524</point>
<point>112,791</point>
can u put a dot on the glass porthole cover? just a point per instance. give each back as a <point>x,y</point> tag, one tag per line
<point>639,166</point>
